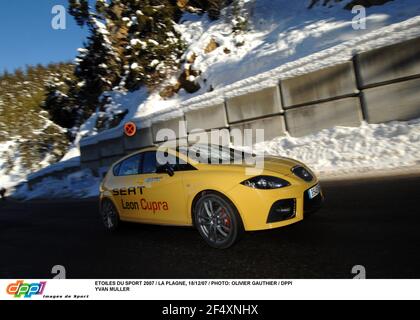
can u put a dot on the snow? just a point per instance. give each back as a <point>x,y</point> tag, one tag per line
<point>56,167</point>
<point>154,63</point>
<point>9,178</point>
<point>154,42</point>
<point>17,173</point>
<point>135,42</point>
<point>341,150</point>
<point>120,101</point>
<point>81,184</point>
<point>100,27</point>
<point>72,152</point>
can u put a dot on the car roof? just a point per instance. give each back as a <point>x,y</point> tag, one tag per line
<point>155,148</point>
<point>175,151</point>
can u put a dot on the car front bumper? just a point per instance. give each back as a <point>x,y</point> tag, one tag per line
<point>269,209</point>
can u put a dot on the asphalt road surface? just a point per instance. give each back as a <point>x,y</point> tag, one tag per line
<point>374,223</point>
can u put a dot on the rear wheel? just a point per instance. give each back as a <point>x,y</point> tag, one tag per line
<point>217,221</point>
<point>110,216</point>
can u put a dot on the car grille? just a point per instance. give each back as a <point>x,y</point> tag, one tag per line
<point>302,173</point>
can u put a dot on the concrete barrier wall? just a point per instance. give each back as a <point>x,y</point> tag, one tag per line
<point>111,147</point>
<point>333,82</point>
<point>272,126</point>
<point>221,136</point>
<point>177,125</point>
<point>389,63</point>
<point>213,117</point>
<point>397,101</point>
<point>254,105</point>
<point>313,118</point>
<point>108,161</point>
<point>142,138</point>
<point>89,152</point>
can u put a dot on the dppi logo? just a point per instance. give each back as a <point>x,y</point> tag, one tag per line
<point>27,290</point>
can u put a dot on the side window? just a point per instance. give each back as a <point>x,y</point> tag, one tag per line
<point>130,166</point>
<point>149,162</point>
<point>176,163</point>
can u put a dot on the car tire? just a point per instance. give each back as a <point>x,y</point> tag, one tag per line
<point>218,221</point>
<point>109,215</point>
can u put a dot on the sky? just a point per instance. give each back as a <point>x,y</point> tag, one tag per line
<point>27,36</point>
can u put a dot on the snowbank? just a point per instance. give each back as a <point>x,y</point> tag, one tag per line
<point>343,150</point>
<point>78,185</point>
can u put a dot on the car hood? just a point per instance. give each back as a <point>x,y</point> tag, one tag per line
<point>279,164</point>
<point>271,163</point>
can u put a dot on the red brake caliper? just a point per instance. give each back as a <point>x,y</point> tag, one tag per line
<point>226,219</point>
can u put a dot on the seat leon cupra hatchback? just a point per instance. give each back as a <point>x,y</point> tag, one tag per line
<point>209,187</point>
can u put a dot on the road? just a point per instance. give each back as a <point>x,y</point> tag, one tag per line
<point>374,223</point>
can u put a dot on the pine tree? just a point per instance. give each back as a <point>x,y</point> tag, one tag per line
<point>21,98</point>
<point>58,104</point>
<point>97,67</point>
<point>154,46</point>
<point>79,9</point>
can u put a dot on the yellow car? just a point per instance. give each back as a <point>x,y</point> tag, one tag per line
<point>209,187</point>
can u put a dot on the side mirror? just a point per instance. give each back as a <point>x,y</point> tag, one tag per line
<point>166,168</point>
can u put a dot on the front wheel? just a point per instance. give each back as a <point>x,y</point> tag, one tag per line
<point>217,221</point>
<point>110,216</point>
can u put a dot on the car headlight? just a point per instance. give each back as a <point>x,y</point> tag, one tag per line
<point>265,182</point>
<point>302,173</point>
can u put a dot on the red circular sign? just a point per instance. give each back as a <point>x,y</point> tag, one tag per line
<point>130,129</point>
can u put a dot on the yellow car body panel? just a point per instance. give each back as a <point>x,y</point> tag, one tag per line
<point>169,200</point>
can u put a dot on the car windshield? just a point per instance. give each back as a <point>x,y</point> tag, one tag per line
<point>213,154</point>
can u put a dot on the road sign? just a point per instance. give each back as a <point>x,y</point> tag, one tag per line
<point>130,129</point>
